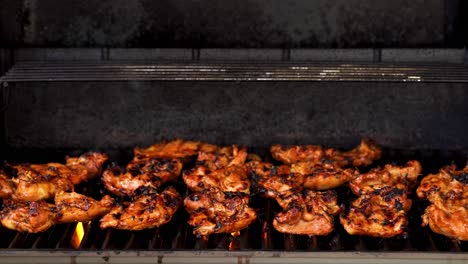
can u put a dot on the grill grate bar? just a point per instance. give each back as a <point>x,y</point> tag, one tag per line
<point>130,241</point>
<point>64,240</point>
<point>105,243</point>
<point>15,239</point>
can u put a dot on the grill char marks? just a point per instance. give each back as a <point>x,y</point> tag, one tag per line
<point>144,211</point>
<point>146,172</point>
<point>31,217</point>
<point>304,212</point>
<point>382,206</point>
<point>448,194</point>
<point>150,168</point>
<point>220,203</point>
<point>326,169</point>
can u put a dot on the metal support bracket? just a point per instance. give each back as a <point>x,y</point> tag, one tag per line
<point>4,95</point>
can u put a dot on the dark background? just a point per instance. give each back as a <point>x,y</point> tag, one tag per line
<point>106,115</point>
<point>234,23</point>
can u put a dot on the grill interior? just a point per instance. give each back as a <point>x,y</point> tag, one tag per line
<point>177,234</point>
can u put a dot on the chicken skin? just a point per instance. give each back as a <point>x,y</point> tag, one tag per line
<point>448,193</point>
<point>85,167</point>
<point>230,179</point>
<point>147,173</point>
<point>31,217</point>
<point>145,211</point>
<point>390,175</point>
<point>381,214</point>
<point>308,213</point>
<point>222,169</point>
<point>173,149</point>
<point>323,176</point>
<point>75,207</point>
<point>214,212</point>
<point>363,155</point>
<point>222,158</point>
<point>222,186</point>
<point>6,185</point>
<point>380,210</point>
<point>450,221</point>
<point>304,212</point>
<point>274,181</point>
<point>36,182</point>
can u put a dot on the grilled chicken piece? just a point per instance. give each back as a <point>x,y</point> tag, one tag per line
<point>450,221</point>
<point>86,167</point>
<point>446,186</point>
<point>147,172</point>
<point>380,211</point>
<point>75,207</point>
<point>214,212</point>
<point>448,193</point>
<point>6,185</point>
<point>363,155</point>
<point>230,179</point>
<point>222,158</point>
<point>323,176</point>
<point>381,214</point>
<point>145,211</point>
<point>390,175</point>
<point>307,213</point>
<point>41,181</point>
<point>274,181</point>
<point>31,217</point>
<point>173,149</point>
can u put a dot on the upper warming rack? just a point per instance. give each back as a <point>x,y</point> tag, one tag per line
<point>235,71</point>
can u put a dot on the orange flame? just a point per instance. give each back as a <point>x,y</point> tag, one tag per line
<point>77,236</point>
<point>235,234</point>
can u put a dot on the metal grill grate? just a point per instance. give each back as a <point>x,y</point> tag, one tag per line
<point>260,236</point>
<point>128,71</point>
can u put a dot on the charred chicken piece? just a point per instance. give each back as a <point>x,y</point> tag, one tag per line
<point>448,193</point>
<point>390,175</point>
<point>173,149</point>
<point>214,212</point>
<point>380,214</point>
<point>85,167</point>
<point>31,217</point>
<point>448,185</point>
<point>323,176</point>
<point>75,207</point>
<point>145,211</point>
<point>274,181</point>
<point>363,155</point>
<point>6,185</point>
<point>41,181</point>
<point>230,179</point>
<point>307,213</point>
<point>147,172</point>
<point>222,157</point>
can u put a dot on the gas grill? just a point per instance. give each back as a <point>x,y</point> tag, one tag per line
<point>52,108</point>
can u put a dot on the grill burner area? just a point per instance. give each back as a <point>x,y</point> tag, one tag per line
<point>177,234</point>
